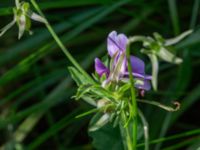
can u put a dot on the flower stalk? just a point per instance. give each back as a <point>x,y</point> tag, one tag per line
<point>133,98</point>
<point>60,44</point>
<point>125,134</point>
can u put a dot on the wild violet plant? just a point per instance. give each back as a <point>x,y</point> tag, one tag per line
<point>119,81</point>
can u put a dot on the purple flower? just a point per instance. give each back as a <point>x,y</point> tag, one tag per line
<point>101,68</point>
<point>138,71</point>
<point>116,45</point>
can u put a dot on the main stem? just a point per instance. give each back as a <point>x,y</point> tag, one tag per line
<point>125,133</point>
<point>133,98</point>
<point>60,44</point>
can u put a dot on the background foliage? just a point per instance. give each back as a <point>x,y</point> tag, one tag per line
<point>36,108</point>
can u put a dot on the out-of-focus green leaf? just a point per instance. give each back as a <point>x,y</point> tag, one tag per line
<point>107,136</point>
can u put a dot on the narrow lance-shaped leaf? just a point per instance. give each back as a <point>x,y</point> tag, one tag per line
<point>7,27</point>
<point>166,55</point>
<point>35,17</point>
<point>99,121</point>
<point>177,39</point>
<point>145,128</point>
<point>89,100</point>
<point>78,77</point>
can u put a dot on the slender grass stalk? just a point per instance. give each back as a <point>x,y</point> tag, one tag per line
<point>146,129</point>
<point>173,137</point>
<point>174,16</point>
<point>133,97</point>
<point>194,15</point>
<point>60,44</point>
<point>183,143</point>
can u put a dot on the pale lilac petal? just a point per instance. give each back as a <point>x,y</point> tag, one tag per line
<point>122,42</point>
<point>116,43</point>
<point>101,68</point>
<point>111,43</point>
<point>123,67</point>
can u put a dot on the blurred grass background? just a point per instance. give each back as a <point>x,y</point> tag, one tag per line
<point>36,108</point>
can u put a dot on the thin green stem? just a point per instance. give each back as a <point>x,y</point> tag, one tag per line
<point>177,136</point>
<point>137,38</point>
<point>60,44</point>
<point>194,14</point>
<point>167,108</point>
<point>183,143</point>
<point>146,129</point>
<point>174,16</point>
<point>133,97</point>
<point>125,134</point>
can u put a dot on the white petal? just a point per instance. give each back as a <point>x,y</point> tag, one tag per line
<point>36,17</point>
<point>22,25</point>
<point>154,62</point>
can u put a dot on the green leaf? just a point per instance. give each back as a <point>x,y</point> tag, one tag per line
<point>98,121</point>
<point>78,77</point>
<point>7,27</point>
<point>177,39</point>
<point>167,56</point>
<point>174,16</point>
<point>107,137</point>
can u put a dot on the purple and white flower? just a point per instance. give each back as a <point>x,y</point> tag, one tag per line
<point>116,46</point>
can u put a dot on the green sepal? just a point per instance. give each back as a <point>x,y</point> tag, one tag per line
<point>25,7</point>
<point>78,77</point>
<point>28,24</point>
<point>95,91</point>
<point>124,89</point>
<point>103,78</point>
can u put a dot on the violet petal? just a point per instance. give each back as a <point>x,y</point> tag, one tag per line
<point>111,46</point>
<point>146,86</point>
<point>137,65</point>
<point>101,68</point>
